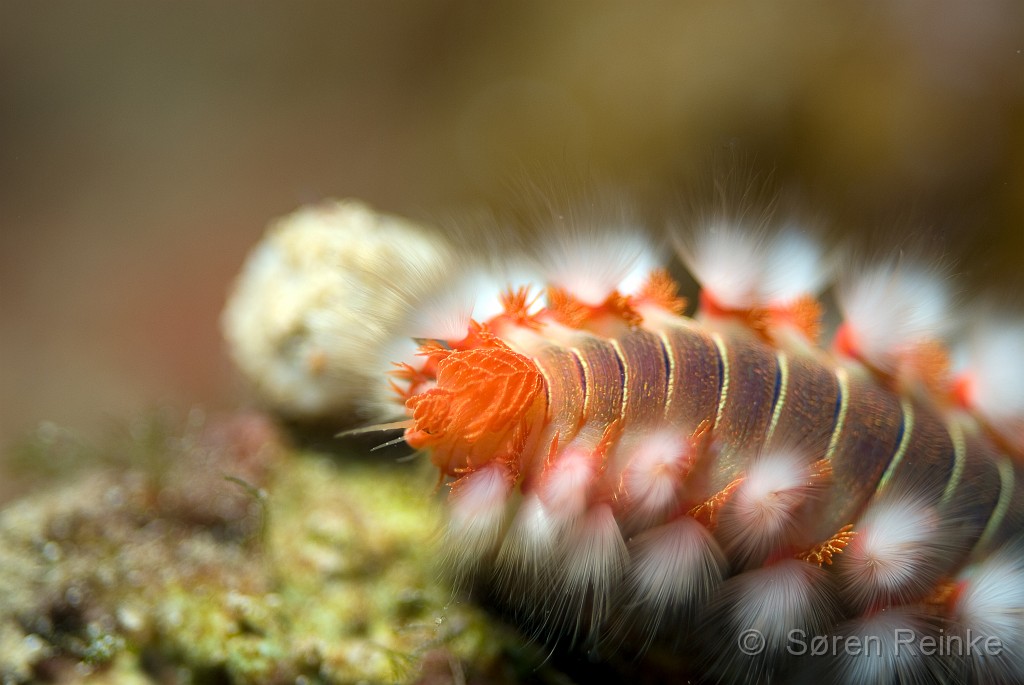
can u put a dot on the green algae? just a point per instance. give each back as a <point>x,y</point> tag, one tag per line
<point>237,562</point>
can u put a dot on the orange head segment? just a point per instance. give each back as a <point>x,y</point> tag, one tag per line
<point>485,405</point>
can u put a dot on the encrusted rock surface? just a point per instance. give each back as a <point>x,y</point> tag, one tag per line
<point>227,557</point>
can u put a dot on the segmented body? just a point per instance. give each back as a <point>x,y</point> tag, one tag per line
<point>626,472</point>
<point>745,393</point>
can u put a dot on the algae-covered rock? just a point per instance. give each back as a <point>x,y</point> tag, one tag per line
<point>229,558</point>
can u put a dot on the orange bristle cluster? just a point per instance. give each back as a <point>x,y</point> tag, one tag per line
<point>481,408</point>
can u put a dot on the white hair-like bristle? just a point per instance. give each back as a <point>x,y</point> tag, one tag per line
<point>566,482</point>
<point>516,273</point>
<point>795,266</point>
<point>764,512</point>
<point>446,312</point>
<point>990,612</point>
<point>995,377</point>
<point>895,554</point>
<point>656,465</point>
<point>769,606</point>
<point>529,548</point>
<point>675,570</point>
<point>593,562</point>
<point>591,265</point>
<point>743,269</point>
<point>487,297</point>
<point>382,400</point>
<point>891,308</point>
<point>884,648</point>
<point>779,598</point>
<point>728,262</point>
<point>477,506</point>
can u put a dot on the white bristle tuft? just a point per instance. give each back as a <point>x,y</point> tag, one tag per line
<point>890,647</point>
<point>764,512</point>
<point>994,377</point>
<point>744,269</point>
<point>383,401</point>
<point>591,568</point>
<point>761,612</point>
<point>794,266</point>
<point>990,610</point>
<point>477,506</point>
<point>566,482</point>
<point>592,266</point>
<point>777,599</point>
<point>446,312</point>
<point>676,568</point>
<point>529,548</point>
<point>889,309</point>
<point>487,301</point>
<point>650,480</point>
<point>517,273</point>
<point>727,261</point>
<point>894,555</point>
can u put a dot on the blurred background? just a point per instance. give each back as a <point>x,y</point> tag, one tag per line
<point>145,146</point>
